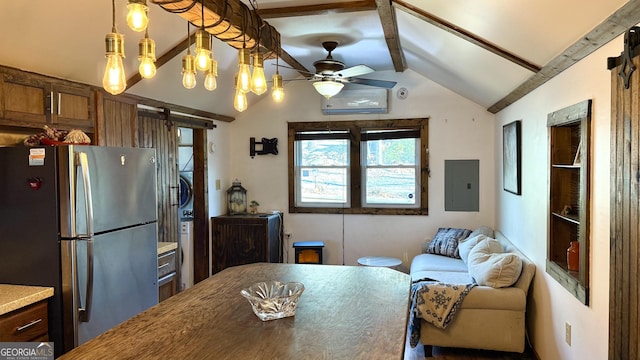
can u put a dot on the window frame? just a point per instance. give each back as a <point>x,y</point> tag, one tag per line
<point>355,129</point>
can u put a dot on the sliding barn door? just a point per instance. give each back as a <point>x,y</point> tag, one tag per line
<point>624,322</point>
<point>153,133</point>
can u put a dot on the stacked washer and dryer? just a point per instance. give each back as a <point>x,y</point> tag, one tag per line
<point>185,166</point>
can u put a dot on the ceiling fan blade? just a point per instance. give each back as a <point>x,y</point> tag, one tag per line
<point>373,82</point>
<point>354,71</point>
<point>300,71</point>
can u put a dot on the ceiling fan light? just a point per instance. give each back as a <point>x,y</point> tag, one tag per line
<point>137,18</point>
<point>328,88</point>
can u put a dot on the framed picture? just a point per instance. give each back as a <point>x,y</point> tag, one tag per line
<point>511,159</point>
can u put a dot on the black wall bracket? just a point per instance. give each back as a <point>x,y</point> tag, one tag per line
<point>269,146</point>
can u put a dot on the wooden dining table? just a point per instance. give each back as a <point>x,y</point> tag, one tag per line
<point>345,312</point>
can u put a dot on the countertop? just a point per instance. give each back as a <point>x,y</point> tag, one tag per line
<point>13,297</point>
<point>345,312</point>
<point>163,247</point>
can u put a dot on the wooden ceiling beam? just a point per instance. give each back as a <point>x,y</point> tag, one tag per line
<point>230,21</point>
<point>619,22</point>
<point>464,34</point>
<point>318,9</point>
<point>390,28</point>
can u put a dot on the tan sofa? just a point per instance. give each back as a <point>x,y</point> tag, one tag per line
<point>488,318</point>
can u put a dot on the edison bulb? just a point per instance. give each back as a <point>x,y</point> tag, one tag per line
<point>147,68</point>
<point>203,59</point>
<point>240,101</point>
<point>114,80</point>
<point>210,81</point>
<point>137,18</point>
<point>244,78</point>
<point>277,94</point>
<point>258,82</point>
<point>189,79</point>
<point>277,91</point>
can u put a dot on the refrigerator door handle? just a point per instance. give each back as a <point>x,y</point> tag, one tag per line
<point>88,197</point>
<point>85,311</point>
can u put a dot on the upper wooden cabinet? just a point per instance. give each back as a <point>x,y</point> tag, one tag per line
<point>569,201</point>
<point>31,100</point>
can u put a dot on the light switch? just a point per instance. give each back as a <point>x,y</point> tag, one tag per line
<point>217,184</point>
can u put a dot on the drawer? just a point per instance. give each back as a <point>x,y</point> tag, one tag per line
<point>25,324</point>
<point>166,263</point>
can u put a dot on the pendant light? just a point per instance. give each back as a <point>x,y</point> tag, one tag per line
<point>258,81</point>
<point>137,18</point>
<point>147,56</point>
<point>188,66</point>
<point>240,99</point>
<point>203,46</point>
<point>277,91</point>
<point>244,70</point>
<point>114,80</point>
<point>210,78</point>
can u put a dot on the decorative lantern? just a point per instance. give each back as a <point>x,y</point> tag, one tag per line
<point>236,199</point>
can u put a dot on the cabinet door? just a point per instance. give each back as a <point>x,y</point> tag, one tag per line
<point>25,99</point>
<point>238,242</point>
<point>73,106</point>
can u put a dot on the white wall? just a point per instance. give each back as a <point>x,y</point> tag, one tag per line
<point>523,219</point>
<point>458,129</point>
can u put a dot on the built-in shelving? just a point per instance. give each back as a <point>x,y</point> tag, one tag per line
<point>569,150</point>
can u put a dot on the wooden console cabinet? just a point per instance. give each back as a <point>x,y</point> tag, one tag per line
<point>245,239</point>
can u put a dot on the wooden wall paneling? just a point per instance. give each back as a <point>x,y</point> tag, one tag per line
<point>200,206</point>
<point>116,121</point>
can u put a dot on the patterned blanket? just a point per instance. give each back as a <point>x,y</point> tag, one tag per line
<point>436,303</point>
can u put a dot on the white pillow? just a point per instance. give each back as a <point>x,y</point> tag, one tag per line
<point>489,266</point>
<point>465,245</point>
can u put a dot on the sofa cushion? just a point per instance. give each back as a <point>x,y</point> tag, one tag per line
<point>465,245</point>
<point>434,262</point>
<point>483,230</point>
<point>489,266</point>
<point>445,242</point>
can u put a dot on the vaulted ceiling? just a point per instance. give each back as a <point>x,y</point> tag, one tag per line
<point>491,51</point>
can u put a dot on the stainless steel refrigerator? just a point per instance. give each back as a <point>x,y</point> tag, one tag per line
<point>83,220</point>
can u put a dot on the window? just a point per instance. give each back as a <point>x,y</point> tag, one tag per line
<point>360,167</point>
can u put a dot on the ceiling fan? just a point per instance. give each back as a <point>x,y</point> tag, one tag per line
<point>331,74</point>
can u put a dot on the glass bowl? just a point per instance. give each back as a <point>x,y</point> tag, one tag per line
<point>273,299</point>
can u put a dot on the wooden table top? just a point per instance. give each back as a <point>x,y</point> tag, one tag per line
<point>345,312</point>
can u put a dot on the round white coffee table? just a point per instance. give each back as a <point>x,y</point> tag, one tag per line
<point>383,261</point>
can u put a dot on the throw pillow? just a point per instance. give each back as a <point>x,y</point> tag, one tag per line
<point>445,242</point>
<point>465,245</point>
<point>489,266</point>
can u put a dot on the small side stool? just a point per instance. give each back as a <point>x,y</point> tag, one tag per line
<point>380,261</point>
<point>308,252</point>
